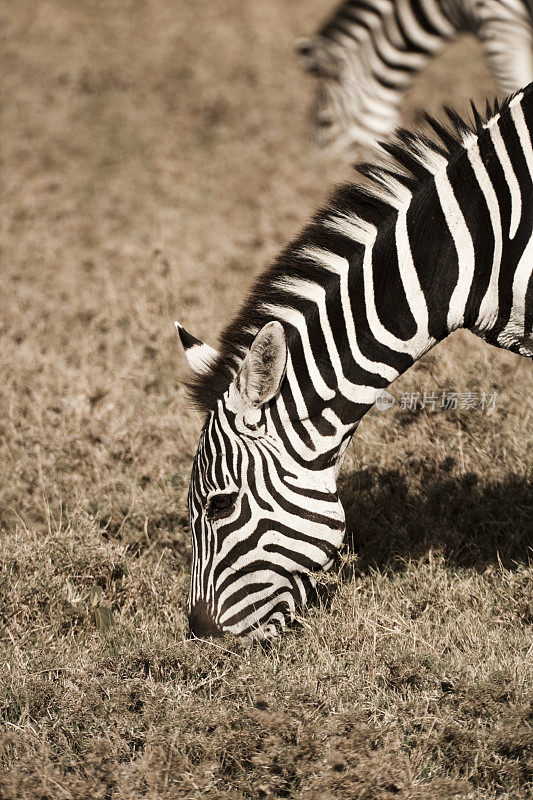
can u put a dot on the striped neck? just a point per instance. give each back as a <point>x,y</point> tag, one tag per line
<point>381,290</point>
<point>438,241</point>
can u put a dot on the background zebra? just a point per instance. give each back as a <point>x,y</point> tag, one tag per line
<point>443,240</point>
<point>368,53</point>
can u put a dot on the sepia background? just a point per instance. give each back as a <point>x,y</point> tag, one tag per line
<point>154,156</point>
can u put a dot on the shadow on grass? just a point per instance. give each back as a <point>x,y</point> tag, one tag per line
<point>393,517</point>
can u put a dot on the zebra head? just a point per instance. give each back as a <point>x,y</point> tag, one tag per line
<point>350,109</point>
<point>261,522</point>
<point>329,119</point>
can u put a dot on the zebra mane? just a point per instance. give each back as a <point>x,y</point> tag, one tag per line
<point>403,168</point>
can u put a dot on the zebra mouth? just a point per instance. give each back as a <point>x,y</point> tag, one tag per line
<point>284,617</point>
<point>272,630</point>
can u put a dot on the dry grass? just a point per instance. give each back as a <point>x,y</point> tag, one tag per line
<point>154,157</point>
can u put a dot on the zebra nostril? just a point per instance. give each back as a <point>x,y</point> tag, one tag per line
<point>325,122</point>
<point>201,623</point>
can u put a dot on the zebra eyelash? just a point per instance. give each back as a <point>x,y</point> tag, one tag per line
<point>220,505</point>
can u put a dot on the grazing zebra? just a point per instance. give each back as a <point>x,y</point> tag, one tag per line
<point>367,54</point>
<point>443,239</point>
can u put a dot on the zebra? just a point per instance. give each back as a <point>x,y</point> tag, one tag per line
<point>441,238</point>
<point>367,54</point>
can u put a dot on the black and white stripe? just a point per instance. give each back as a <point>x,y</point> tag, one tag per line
<point>367,55</point>
<point>443,240</point>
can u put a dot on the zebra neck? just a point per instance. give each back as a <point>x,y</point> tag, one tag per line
<point>372,325</point>
<point>382,290</point>
<point>441,240</point>
<point>494,231</point>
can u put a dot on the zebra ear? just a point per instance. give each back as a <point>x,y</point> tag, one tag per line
<point>199,355</point>
<point>262,371</point>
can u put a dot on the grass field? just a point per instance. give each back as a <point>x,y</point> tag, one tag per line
<point>154,157</point>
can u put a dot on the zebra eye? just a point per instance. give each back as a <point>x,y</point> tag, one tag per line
<point>221,505</point>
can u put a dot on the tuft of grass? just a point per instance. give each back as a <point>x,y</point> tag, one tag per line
<point>152,163</point>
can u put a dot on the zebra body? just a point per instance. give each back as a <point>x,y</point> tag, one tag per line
<point>443,240</point>
<point>366,56</point>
